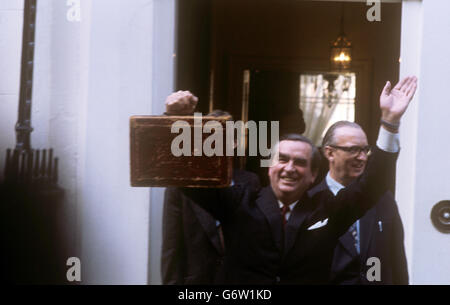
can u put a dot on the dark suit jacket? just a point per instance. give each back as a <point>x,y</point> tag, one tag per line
<point>259,251</point>
<point>381,236</point>
<point>192,252</point>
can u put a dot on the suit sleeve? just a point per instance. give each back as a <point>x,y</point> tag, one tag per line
<point>246,178</point>
<point>254,182</point>
<point>352,202</point>
<point>172,255</point>
<point>219,202</point>
<point>397,249</point>
<point>222,202</point>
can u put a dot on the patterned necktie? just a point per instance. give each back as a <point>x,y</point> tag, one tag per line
<point>354,232</point>
<point>284,210</point>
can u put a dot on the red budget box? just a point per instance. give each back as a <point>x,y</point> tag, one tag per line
<point>170,151</point>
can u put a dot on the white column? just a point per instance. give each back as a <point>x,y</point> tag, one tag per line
<point>59,97</point>
<point>90,77</point>
<point>423,166</point>
<point>11,21</point>
<point>115,216</point>
<point>163,84</point>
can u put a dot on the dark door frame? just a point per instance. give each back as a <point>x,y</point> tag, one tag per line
<point>238,63</point>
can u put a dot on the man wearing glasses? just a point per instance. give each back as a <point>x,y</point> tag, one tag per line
<point>379,233</point>
<point>280,234</point>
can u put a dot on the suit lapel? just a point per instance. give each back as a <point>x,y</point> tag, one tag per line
<point>268,204</point>
<point>346,240</point>
<point>366,227</point>
<point>322,186</point>
<point>348,243</point>
<point>298,216</point>
<point>209,225</point>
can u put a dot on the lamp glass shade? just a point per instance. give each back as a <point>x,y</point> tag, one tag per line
<point>341,53</point>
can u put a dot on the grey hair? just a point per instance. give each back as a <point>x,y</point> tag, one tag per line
<point>329,139</point>
<point>220,112</point>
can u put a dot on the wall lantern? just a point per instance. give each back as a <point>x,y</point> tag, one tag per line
<point>341,50</point>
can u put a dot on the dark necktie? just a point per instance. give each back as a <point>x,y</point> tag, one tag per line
<point>284,210</point>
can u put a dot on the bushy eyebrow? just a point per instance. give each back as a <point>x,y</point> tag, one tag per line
<point>283,156</point>
<point>296,160</point>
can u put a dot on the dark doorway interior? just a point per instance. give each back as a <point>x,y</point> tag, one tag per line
<point>276,40</point>
<point>274,96</point>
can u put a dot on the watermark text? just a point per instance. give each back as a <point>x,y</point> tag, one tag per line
<point>214,144</point>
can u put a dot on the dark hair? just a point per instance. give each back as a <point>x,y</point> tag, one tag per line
<point>328,139</point>
<point>315,154</point>
<point>220,112</point>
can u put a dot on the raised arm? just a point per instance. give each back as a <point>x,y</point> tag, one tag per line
<point>181,103</point>
<point>217,201</point>
<point>395,101</point>
<point>353,201</point>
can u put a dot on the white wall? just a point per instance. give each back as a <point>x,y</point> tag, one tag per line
<point>89,78</point>
<point>410,65</point>
<point>114,216</point>
<point>163,85</point>
<point>11,19</point>
<point>423,167</point>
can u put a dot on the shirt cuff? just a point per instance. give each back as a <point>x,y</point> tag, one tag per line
<point>388,141</point>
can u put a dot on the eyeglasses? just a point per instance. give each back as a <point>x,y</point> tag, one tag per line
<point>354,150</point>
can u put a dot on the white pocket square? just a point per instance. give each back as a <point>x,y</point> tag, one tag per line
<point>318,224</point>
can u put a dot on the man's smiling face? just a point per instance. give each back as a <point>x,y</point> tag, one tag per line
<point>290,174</point>
<point>345,166</point>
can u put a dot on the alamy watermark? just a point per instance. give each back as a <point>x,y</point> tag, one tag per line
<point>374,272</point>
<point>74,11</point>
<point>374,13</point>
<point>73,274</point>
<point>214,144</point>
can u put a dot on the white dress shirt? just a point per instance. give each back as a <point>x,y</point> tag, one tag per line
<point>291,207</point>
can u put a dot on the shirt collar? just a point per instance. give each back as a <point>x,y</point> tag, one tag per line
<point>333,185</point>
<point>291,206</point>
